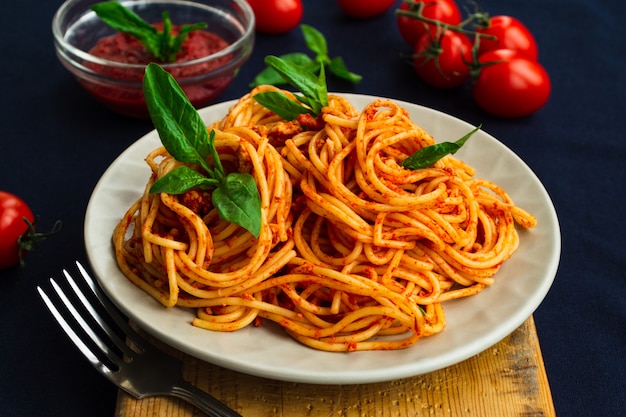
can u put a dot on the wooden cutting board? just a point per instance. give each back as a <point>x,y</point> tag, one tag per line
<point>508,379</point>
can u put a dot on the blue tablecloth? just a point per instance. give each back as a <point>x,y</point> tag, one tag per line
<point>56,142</point>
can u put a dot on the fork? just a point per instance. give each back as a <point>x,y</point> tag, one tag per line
<point>128,360</point>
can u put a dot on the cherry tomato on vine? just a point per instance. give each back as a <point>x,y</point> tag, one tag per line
<point>500,55</point>
<point>363,9</point>
<point>509,85</point>
<point>13,210</point>
<point>276,16</point>
<point>510,33</point>
<point>412,29</point>
<point>443,62</point>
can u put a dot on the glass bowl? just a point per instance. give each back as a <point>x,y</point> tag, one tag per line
<point>118,85</point>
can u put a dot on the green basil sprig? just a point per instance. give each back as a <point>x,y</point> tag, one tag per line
<point>427,156</point>
<point>313,88</point>
<point>184,134</point>
<point>162,44</point>
<point>315,96</point>
<point>316,42</point>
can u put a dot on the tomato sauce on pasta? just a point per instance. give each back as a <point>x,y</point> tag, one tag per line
<point>355,251</point>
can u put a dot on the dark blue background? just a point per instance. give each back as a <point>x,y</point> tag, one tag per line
<point>56,142</point>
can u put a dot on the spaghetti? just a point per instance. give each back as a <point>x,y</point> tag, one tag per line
<point>355,251</point>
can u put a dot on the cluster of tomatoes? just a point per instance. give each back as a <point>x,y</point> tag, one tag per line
<point>499,54</point>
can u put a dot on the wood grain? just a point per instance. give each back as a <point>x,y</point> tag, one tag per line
<point>508,379</point>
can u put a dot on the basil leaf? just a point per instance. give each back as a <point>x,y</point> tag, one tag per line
<point>182,179</point>
<point>217,162</point>
<point>184,135</point>
<point>338,68</point>
<point>304,80</point>
<point>115,15</point>
<point>161,44</point>
<point>312,87</point>
<point>237,200</point>
<point>174,44</point>
<point>165,38</point>
<point>315,41</point>
<point>269,76</point>
<point>322,90</point>
<point>280,104</point>
<point>429,155</point>
<point>180,127</point>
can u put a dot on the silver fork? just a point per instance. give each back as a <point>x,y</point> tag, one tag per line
<point>141,370</point>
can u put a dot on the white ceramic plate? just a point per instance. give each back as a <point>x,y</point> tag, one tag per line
<point>473,324</point>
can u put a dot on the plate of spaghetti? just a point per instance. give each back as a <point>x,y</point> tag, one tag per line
<point>363,270</point>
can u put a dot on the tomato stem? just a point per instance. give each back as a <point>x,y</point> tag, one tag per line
<point>475,65</point>
<point>30,239</point>
<point>416,11</point>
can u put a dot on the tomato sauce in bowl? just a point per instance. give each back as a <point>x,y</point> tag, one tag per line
<point>124,48</point>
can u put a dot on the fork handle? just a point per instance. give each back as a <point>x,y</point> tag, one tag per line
<point>203,401</point>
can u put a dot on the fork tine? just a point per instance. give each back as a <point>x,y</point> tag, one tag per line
<point>102,323</point>
<point>113,311</point>
<point>76,339</point>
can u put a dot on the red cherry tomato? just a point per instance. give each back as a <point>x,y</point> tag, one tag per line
<point>510,85</point>
<point>501,55</point>
<point>363,9</point>
<point>510,33</point>
<point>412,29</point>
<point>276,16</point>
<point>443,62</point>
<point>13,210</point>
